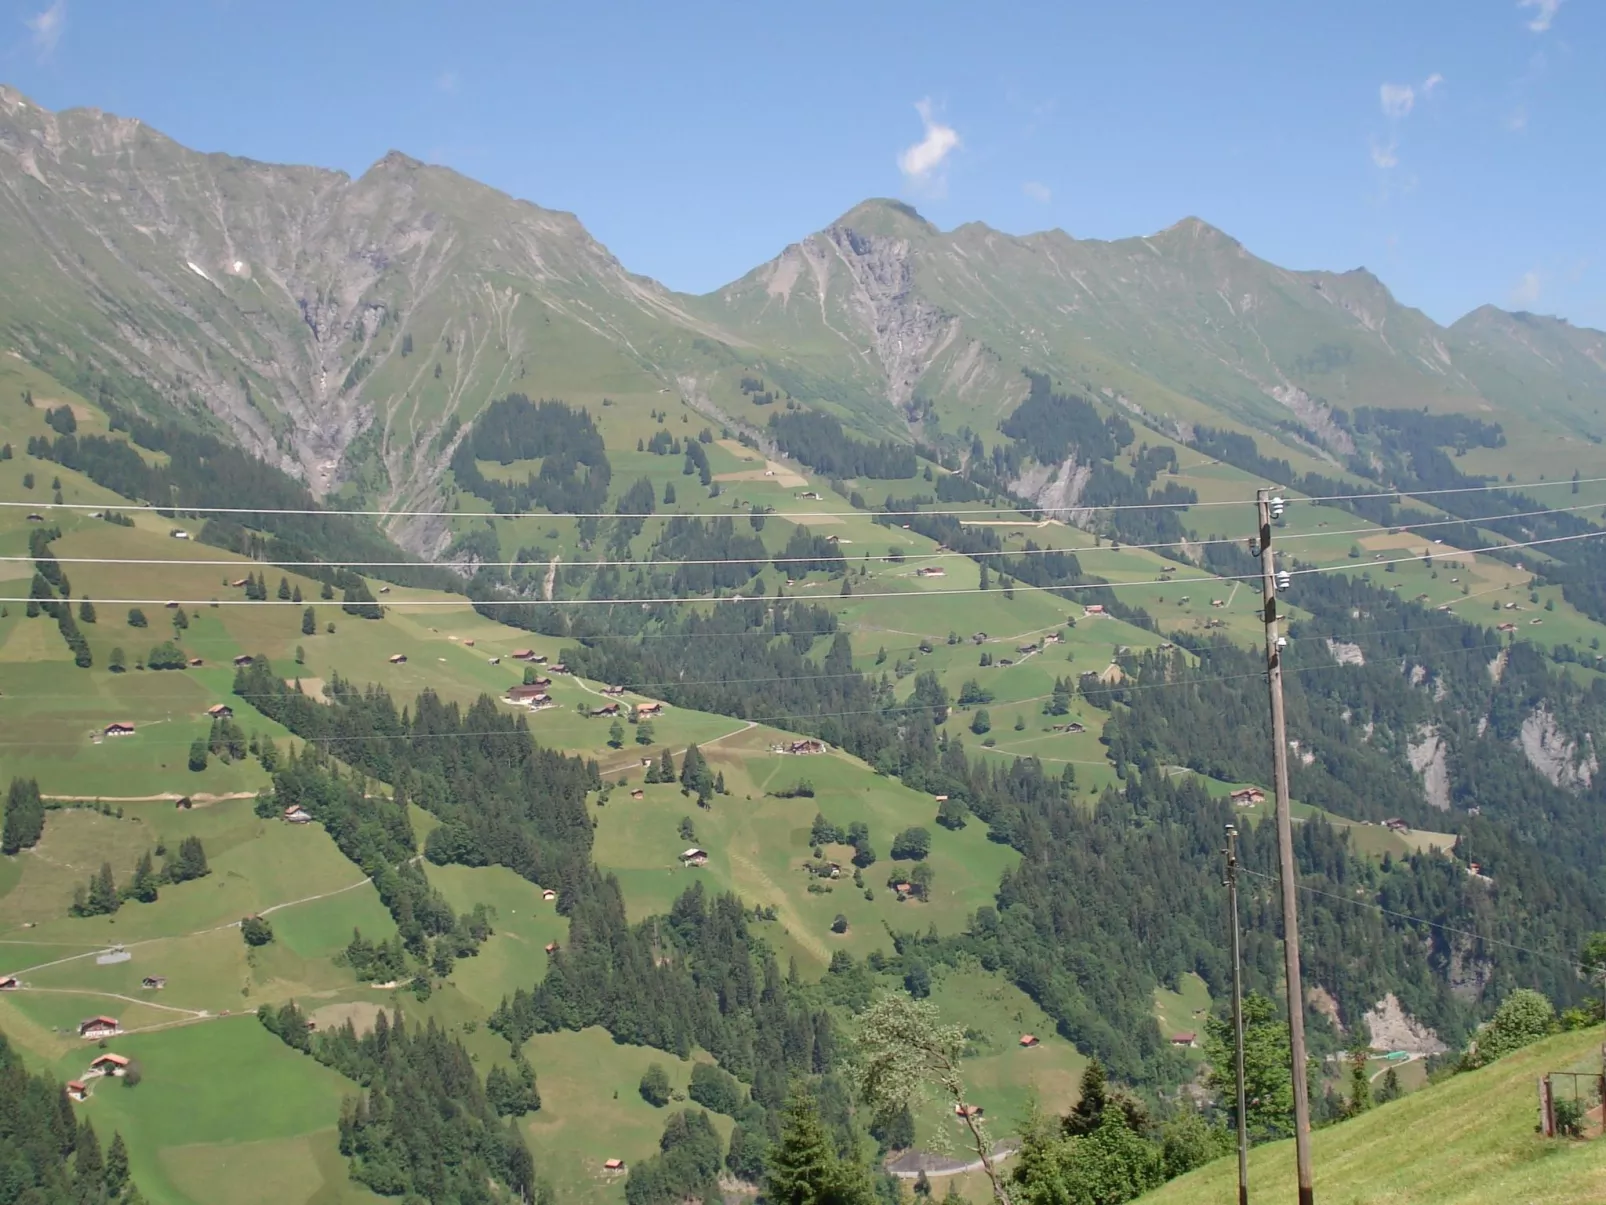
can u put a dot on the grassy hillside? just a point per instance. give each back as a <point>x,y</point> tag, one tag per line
<point>1470,1140</point>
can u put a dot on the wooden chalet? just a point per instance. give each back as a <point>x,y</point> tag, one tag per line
<point>1093,609</point>
<point>1248,796</point>
<point>525,693</point>
<point>931,571</point>
<point>220,711</point>
<point>398,658</point>
<point>644,709</point>
<point>153,983</point>
<point>549,895</point>
<point>196,663</point>
<point>119,728</point>
<point>1028,1040</point>
<point>77,1090</point>
<point>638,793</point>
<point>613,692</point>
<point>522,655</point>
<point>1187,1039</point>
<point>244,659</point>
<point>99,1027</point>
<point>240,582</point>
<point>613,1165</point>
<point>551,947</point>
<point>558,667</point>
<point>694,857</point>
<point>110,1064</point>
<point>9,983</point>
<point>296,814</point>
<point>806,746</point>
<point>607,709</point>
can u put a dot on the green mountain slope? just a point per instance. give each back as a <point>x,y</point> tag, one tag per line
<point>1467,1141</point>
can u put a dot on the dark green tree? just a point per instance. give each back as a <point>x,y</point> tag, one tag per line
<point>25,816</point>
<point>654,1085</point>
<point>804,1167</point>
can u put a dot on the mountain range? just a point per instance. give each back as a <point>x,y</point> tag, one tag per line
<point>347,330</point>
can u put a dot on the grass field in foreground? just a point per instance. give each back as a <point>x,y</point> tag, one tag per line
<point>1467,1141</point>
<point>226,1114</point>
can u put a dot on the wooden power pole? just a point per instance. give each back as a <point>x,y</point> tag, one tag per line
<point>1238,1015</point>
<point>1270,508</point>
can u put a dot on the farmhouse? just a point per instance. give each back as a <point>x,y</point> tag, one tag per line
<point>931,571</point>
<point>220,711</point>
<point>542,683</point>
<point>903,889</point>
<point>244,659</point>
<point>613,1165</point>
<point>239,582</point>
<point>9,983</point>
<point>178,533</point>
<point>1028,1040</point>
<point>77,1089</point>
<point>1395,825</point>
<point>556,667</point>
<point>638,793</point>
<point>110,1064</point>
<point>613,692</point>
<point>1506,627</point>
<point>645,709</point>
<point>196,663</point>
<point>1248,796</point>
<point>606,709</point>
<point>806,746</point>
<point>549,895</point>
<point>35,517</point>
<point>551,947</point>
<point>522,655</point>
<point>1026,649</point>
<point>296,814</point>
<point>153,983</point>
<point>398,658</point>
<point>119,728</point>
<point>99,1027</point>
<point>694,857</point>
<point>1185,1039</point>
<point>1073,727</point>
<point>1093,609</point>
<point>1218,602</point>
<point>525,693</point>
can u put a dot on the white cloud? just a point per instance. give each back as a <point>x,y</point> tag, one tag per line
<point>1528,289</point>
<point>1397,100</point>
<point>446,82</point>
<point>1544,13</point>
<point>921,163</point>
<point>1517,120</point>
<point>1432,82</point>
<point>47,26</point>
<point>1385,155</point>
<point>1040,193</point>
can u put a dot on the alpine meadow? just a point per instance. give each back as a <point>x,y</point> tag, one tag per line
<point>478,725</point>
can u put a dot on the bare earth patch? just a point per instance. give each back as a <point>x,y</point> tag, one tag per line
<point>361,1013</point>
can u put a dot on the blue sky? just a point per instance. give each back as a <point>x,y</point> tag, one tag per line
<point>1457,149</point>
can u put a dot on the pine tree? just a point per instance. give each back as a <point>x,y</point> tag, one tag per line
<point>86,611</point>
<point>804,1168</point>
<point>118,662</point>
<point>25,816</point>
<point>284,589</point>
<point>616,735</point>
<point>309,622</point>
<point>143,888</point>
<point>666,767</point>
<point>116,1165</point>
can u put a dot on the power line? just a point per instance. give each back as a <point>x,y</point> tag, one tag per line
<point>1022,509</point>
<point>1115,547</point>
<point>1493,941</point>
<point>1015,584</point>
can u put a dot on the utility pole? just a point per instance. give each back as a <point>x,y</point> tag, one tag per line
<point>1238,1014</point>
<point>1270,507</point>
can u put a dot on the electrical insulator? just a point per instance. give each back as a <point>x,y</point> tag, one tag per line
<point>1282,642</point>
<point>1277,505</point>
<point>1284,579</point>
